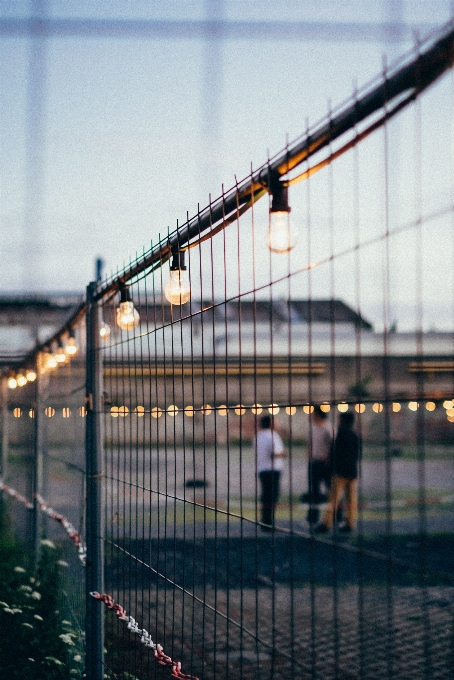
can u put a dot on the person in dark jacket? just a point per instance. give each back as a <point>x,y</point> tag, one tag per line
<point>346,453</point>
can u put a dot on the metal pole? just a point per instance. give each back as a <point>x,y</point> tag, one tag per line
<point>38,460</point>
<point>94,442</point>
<point>4,428</point>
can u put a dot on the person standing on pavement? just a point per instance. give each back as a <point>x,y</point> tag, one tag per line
<point>270,454</point>
<point>319,457</point>
<point>346,454</point>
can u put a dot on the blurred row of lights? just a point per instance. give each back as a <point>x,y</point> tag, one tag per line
<point>49,411</point>
<point>273,409</point>
<point>47,360</point>
<point>240,409</point>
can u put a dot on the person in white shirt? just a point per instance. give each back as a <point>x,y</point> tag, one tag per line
<point>270,454</point>
<point>319,457</point>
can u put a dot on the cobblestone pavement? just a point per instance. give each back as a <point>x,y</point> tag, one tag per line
<point>319,633</point>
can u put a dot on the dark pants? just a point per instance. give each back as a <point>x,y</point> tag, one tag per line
<point>318,472</point>
<point>269,480</point>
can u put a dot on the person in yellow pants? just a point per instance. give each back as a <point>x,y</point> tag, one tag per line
<point>346,453</point>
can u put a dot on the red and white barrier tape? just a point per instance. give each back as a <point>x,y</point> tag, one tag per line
<point>53,514</point>
<point>15,494</point>
<point>145,637</point>
<point>66,524</point>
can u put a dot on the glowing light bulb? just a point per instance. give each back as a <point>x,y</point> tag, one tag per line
<point>12,383</point>
<point>71,347</point>
<point>49,360</point>
<point>104,331</point>
<point>30,375</point>
<point>282,233</point>
<point>127,316</point>
<point>21,380</point>
<point>60,355</point>
<point>178,289</point>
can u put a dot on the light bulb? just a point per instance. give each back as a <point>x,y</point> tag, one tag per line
<point>127,316</point>
<point>282,233</point>
<point>71,347</point>
<point>178,289</point>
<point>104,331</point>
<point>12,383</point>
<point>30,375</point>
<point>49,360</point>
<point>60,355</point>
<point>21,379</point>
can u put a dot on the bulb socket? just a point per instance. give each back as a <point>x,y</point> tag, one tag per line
<point>178,260</point>
<point>279,195</point>
<point>124,294</point>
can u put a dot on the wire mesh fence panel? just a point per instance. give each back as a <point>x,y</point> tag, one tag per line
<point>268,457</point>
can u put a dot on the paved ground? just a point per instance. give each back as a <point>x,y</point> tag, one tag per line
<point>320,633</point>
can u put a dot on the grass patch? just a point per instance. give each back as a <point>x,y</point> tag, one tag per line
<point>35,644</point>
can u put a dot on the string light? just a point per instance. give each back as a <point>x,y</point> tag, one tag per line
<point>30,375</point>
<point>71,347</point>
<point>127,315</point>
<point>21,380</point>
<point>104,331</point>
<point>178,288</point>
<point>282,233</point>
<point>60,355</point>
<point>49,360</point>
<point>12,383</point>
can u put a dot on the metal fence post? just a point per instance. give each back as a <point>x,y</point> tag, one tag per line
<point>38,461</point>
<point>4,427</point>
<point>94,443</point>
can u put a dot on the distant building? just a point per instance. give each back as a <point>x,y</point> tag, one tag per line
<point>238,359</point>
<point>28,319</point>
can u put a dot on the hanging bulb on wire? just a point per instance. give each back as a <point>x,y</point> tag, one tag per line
<point>71,347</point>
<point>127,315</point>
<point>178,288</point>
<point>60,355</point>
<point>282,233</point>
<point>49,360</point>
<point>30,375</point>
<point>104,331</point>
<point>12,383</point>
<point>21,380</point>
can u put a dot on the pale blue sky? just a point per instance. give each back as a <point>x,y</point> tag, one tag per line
<point>133,139</point>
